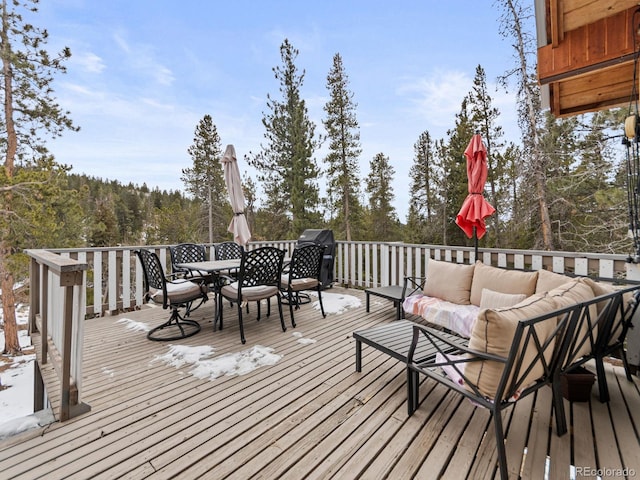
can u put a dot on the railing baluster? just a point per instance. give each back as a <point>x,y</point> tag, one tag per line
<point>97,283</point>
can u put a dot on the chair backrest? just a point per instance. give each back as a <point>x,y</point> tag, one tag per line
<point>186,253</point>
<point>228,251</point>
<point>262,266</point>
<point>153,273</point>
<point>306,261</point>
<point>596,336</point>
<point>619,316</point>
<point>575,333</point>
<point>539,345</point>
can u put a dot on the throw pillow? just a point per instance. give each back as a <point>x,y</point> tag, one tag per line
<point>493,299</point>
<point>493,333</point>
<point>449,281</point>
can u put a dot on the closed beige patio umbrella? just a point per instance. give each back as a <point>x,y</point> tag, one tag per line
<point>238,226</point>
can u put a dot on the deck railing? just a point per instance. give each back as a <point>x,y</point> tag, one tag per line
<point>56,325</point>
<point>114,276</point>
<point>109,280</point>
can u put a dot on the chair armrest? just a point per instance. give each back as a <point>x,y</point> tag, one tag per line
<point>447,344</point>
<point>194,278</point>
<point>455,353</point>
<point>174,276</point>
<point>226,279</point>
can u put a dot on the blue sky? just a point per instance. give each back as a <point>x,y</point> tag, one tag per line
<point>143,74</point>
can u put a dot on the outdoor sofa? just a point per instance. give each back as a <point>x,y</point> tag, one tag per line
<point>526,330</point>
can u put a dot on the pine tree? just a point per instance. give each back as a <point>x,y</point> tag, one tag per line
<point>30,179</point>
<point>455,184</point>
<point>288,172</point>
<point>425,174</point>
<point>343,173</point>
<point>249,189</point>
<point>205,179</point>
<point>383,220</point>
<point>164,229</point>
<point>104,224</point>
<point>516,228</point>
<point>587,205</point>
<point>558,144</point>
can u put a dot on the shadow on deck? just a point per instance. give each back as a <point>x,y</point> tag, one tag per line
<point>308,416</point>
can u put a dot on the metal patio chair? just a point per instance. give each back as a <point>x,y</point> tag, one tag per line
<point>186,253</point>
<point>172,294</point>
<point>303,274</point>
<point>258,279</point>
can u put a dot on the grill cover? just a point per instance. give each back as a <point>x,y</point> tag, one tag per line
<point>324,238</point>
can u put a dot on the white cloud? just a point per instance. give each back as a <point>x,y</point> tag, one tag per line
<point>141,58</point>
<point>88,61</point>
<point>437,98</point>
<point>121,42</point>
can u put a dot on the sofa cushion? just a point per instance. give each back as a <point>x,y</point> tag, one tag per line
<point>493,333</point>
<point>501,280</point>
<point>493,299</point>
<point>601,288</point>
<point>570,293</point>
<point>547,280</point>
<point>449,281</point>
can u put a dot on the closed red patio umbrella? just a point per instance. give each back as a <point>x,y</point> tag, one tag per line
<point>475,207</point>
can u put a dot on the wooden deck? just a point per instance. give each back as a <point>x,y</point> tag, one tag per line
<point>308,416</point>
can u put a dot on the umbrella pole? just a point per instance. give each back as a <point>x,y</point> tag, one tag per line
<point>475,243</point>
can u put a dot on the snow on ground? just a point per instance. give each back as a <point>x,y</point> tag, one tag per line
<point>16,373</point>
<point>16,385</point>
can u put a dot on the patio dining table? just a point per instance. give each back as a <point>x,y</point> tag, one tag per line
<point>216,268</point>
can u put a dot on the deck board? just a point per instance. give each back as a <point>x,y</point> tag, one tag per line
<point>311,415</point>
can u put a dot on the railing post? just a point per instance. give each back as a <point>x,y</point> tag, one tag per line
<point>66,349</point>
<point>57,311</point>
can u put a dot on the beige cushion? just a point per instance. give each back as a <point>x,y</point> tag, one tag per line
<point>449,281</point>
<point>501,280</point>
<point>249,294</point>
<point>492,299</point>
<point>547,280</point>
<point>601,288</point>
<point>178,291</point>
<point>570,293</point>
<point>493,333</point>
<point>298,284</point>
